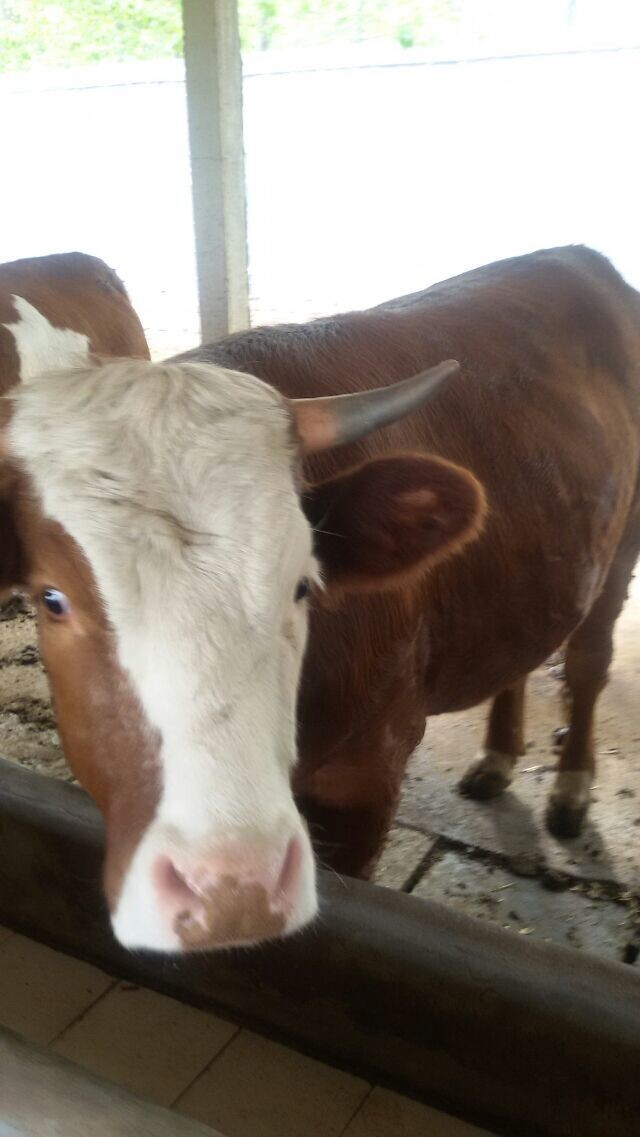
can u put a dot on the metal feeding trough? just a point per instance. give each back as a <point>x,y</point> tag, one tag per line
<point>525,1038</point>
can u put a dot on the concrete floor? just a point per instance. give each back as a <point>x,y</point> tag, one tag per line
<point>494,860</point>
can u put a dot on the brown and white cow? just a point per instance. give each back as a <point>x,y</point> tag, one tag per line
<point>172,520</point>
<point>55,311</point>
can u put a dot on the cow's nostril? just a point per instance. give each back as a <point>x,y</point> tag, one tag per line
<point>171,883</point>
<point>287,884</point>
<point>181,901</point>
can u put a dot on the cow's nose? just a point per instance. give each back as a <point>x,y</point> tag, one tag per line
<point>230,897</point>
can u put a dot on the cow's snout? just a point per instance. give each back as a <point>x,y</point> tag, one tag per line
<point>239,892</point>
<point>230,898</point>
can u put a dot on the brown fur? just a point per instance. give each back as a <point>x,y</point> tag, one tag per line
<point>72,290</point>
<point>545,416</point>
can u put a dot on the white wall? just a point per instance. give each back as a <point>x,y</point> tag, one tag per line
<point>363,183</point>
<point>368,183</point>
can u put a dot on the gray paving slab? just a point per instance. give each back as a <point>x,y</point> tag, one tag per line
<point>526,907</point>
<point>403,854</point>
<point>514,824</point>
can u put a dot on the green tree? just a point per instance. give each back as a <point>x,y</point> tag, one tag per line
<point>59,33</point>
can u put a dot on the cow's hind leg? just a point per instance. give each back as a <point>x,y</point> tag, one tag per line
<point>492,772</point>
<point>589,653</point>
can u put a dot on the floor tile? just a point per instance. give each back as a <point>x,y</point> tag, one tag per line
<point>524,905</point>
<point>149,1043</point>
<point>42,991</point>
<point>402,855</point>
<point>257,1088</point>
<point>385,1114</point>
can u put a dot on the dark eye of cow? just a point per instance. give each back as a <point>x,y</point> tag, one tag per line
<point>55,602</point>
<point>302,590</point>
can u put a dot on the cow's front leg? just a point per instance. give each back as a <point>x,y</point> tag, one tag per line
<point>492,771</point>
<point>589,653</point>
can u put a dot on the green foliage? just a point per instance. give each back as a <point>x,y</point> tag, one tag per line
<point>60,33</point>
<point>313,23</point>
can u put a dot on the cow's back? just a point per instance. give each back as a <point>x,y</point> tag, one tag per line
<point>65,292</point>
<point>545,413</point>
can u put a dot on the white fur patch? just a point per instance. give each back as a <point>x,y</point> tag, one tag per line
<point>494,762</point>
<point>572,788</point>
<point>176,480</point>
<point>40,346</point>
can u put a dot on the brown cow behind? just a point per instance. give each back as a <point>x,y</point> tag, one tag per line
<point>545,414</point>
<point>60,308</point>
<point>65,293</point>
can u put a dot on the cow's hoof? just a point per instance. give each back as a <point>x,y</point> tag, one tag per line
<point>569,803</point>
<point>565,821</point>
<point>487,777</point>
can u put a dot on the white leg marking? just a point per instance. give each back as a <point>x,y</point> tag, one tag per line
<point>488,775</point>
<point>572,788</point>
<point>495,762</point>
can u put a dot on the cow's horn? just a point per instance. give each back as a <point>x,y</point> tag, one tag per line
<point>336,419</point>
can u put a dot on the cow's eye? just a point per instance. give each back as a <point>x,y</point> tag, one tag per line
<point>55,602</point>
<point>302,590</point>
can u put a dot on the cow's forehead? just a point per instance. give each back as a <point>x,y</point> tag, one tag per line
<point>187,465</point>
<point>158,436</point>
<point>71,418</point>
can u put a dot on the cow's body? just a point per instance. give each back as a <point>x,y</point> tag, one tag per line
<point>157,514</point>
<point>546,414</point>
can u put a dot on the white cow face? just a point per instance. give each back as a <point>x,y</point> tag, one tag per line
<point>176,484</point>
<point>163,537</point>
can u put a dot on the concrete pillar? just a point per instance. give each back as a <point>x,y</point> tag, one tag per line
<point>214,97</point>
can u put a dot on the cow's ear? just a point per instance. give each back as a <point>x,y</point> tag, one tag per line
<point>11,560</point>
<point>382,522</point>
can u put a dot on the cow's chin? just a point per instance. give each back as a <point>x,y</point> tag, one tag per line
<point>225,909</point>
